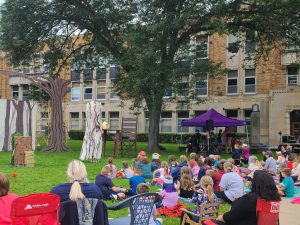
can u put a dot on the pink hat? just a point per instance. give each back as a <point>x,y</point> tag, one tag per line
<point>142,153</point>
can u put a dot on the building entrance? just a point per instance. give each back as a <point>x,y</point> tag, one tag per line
<point>295,122</point>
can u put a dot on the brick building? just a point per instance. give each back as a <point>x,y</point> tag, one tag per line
<point>272,83</point>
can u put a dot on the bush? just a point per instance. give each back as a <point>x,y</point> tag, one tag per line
<point>76,134</point>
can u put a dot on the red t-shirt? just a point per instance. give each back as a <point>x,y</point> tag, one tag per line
<point>217,178</point>
<point>289,165</point>
<point>5,206</point>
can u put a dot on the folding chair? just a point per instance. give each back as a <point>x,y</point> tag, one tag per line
<point>267,212</point>
<point>140,206</point>
<point>207,212</point>
<point>36,209</point>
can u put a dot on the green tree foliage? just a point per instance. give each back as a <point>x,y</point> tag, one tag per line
<point>150,39</point>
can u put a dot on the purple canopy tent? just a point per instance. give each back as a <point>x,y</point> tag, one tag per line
<point>219,121</point>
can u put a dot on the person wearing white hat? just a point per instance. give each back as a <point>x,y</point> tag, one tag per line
<point>169,193</point>
<point>155,164</point>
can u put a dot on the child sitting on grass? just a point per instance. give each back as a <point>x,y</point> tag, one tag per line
<point>286,188</point>
<point>135,180</point>
<point>125,172</point>
<point>112,168</point>
<point>159,174</point>
<point>172,163</point>
<point>144,188</point>
<point>168,194</point>
<point>185,186</point>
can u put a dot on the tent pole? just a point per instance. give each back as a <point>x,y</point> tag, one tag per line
<point>247,135</point>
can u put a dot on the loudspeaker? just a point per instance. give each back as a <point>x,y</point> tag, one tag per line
<point>210,124</point>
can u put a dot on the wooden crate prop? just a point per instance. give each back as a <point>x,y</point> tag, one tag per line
<point>29,158</point>
<point>22,144</point>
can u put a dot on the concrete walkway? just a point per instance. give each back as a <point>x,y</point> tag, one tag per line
<point>289,213</point>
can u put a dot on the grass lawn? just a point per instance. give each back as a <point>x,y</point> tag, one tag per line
<point>50,170</point>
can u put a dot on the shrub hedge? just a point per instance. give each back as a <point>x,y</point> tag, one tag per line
<point>143,137</point>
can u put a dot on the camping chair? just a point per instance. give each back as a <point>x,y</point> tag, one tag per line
<point>87,211</point>
<point>267,212</point>
<point>35,209</point>
<point>207,212</point>
<point>140,206</point>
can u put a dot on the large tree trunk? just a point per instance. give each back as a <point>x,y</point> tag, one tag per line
<point>6,133</point>
<point>56,88</point>
<point>154,119</point>
<point>57,135</point>
<point>92,143</point>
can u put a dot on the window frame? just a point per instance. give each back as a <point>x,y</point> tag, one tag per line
<point>84,89</point>
<point>72,94</point>
<point>250,77</point>
<point>292,75</point>
<point>237,82</point>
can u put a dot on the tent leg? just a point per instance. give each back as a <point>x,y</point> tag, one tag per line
<point>247,135</point>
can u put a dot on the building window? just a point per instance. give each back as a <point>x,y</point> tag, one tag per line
<point>202,47</point>
<point>74,121</point>
<point>166,122</point>
<point>101,85</point>
<point>101,74</point>
<point>168,93</point>
<point>292,75</point>
<point>232,113</point>
<point>113,72</point>
<point>233,44</point>
<point>87,74</point>
<point>88,93</point>
<point>250,43</point>
<point>75,75</point>
<point>44,122</point>
<point>75,94</point>
<point>103,116</point>
<point>199,113</point>
<point>183,89</point>
<point>113,94</point>
<point>250,81</point>
<point>184,115</point>
<point>232,82</point>
<point>25,92</point>
<point>202,86</point>
<point>15,91</point>
<point>114,120</point>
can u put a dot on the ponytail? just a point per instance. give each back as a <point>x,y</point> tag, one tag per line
<point>210,193</point>
<point>76,192</point>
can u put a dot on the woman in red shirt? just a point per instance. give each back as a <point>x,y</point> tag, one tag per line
<point>217,176</point>
<point>5,200</point>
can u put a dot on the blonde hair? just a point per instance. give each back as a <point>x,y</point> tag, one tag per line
<point>193,155</point>
<point>186,182</point>
<point>228,167</point>
<point>142,188</point>
<point>207,183</point>
<point>182,158</point>
<point>76,173</point>
<point>210,173</point>
<point>185,170</point>
<point>164,164</point>
<point>105,171</point>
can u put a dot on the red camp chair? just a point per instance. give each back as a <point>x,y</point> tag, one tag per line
<point>36,209</point>
<point>267,212</point>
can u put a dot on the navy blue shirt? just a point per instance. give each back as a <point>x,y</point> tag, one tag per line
<point>88,189</point>
<point>105,184</point>
<point>134,182</point>
<point>177,172</point>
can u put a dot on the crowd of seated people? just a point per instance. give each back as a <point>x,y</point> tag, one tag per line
<point>199,179</point>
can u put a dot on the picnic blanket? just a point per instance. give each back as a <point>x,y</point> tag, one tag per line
<point>172,212</point>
